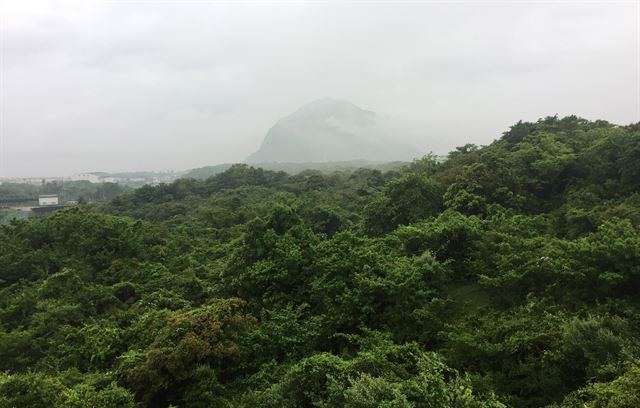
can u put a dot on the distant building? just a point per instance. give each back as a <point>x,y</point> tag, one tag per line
<point>48,199</point>
<point>34,181</point>
<point>93,178</point>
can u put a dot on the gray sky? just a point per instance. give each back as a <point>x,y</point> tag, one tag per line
<point>157,85</point>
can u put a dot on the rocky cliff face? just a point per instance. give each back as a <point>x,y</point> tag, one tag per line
<point>331,130</point>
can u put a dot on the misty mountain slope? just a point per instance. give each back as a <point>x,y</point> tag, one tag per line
<point>331,130</point>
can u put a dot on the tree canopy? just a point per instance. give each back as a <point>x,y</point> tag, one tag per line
<point>506,275</point>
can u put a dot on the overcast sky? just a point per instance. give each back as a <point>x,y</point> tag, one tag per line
<point>157,85</point>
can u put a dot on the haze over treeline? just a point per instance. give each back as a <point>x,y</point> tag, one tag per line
<point>116,86</point>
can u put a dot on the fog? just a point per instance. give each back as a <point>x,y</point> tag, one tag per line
<point>157,85</point>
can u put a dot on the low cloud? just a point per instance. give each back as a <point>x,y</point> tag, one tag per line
<point>161,85</point>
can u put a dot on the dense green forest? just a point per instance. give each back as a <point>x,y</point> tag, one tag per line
<point>504,276</point>
<point>295,168</point>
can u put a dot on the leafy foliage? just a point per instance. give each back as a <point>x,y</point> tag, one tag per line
<point>504,276</point>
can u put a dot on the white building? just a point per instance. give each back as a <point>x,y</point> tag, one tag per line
<point>93,178</point>
<point>48,199</point>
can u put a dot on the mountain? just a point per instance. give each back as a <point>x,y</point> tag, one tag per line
<point>331,130</point>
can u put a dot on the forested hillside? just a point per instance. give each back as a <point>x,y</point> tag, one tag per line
<point>506,276</point>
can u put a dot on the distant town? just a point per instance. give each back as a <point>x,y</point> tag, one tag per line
<point>27,197</point>
<point>133,179</point>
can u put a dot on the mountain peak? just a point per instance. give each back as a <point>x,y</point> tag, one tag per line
<point>330,129</point>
